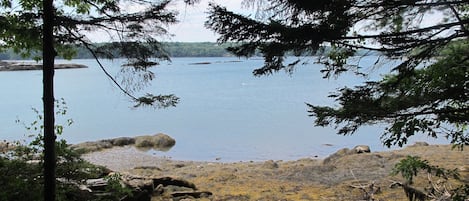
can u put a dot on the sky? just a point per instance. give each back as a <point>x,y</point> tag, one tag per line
<point>190,27</point>
<point>191,20</point>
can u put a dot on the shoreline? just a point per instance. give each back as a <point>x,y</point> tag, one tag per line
<point>26,66</point>
<point>121,158</point>
<point>303,179</point>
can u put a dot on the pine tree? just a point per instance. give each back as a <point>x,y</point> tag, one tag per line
<point>52,28</point>
<point>426,92</point>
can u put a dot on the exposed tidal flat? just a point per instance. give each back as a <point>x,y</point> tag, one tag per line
<point>344,175</point>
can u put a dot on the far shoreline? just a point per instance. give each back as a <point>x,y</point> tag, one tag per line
<point>28,66</point>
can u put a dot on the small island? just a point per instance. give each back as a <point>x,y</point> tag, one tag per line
<point>23,66</point>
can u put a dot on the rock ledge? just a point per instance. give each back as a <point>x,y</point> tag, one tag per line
<point>23,66</point>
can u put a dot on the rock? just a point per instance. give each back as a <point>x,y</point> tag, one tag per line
<point>153,168</point>
<point>362,149</point>
<point>346,151</point>
<point>141,184</point>
<point>419,144</point>
<point>122,141</point>
<point>168,181</point>
<point>270,164</point>
<point>96,184</point>
<point>191,194</point>
<point>160,142</point>
<point>464,168</point>
<point>200,63</point>
<point>87,147</point>
<point>165,186</point>
<point>339,154</point>
<point>20,66</point>
<point>159,190</point>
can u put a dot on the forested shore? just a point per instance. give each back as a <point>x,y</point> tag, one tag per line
<point>174,49</point>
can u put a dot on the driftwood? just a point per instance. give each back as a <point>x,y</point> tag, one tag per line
<point>369,190</point>
<point>412,193</point>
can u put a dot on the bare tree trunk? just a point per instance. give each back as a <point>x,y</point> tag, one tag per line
<point>48,100</point>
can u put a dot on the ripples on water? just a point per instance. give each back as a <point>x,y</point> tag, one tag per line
<point>225,112</point>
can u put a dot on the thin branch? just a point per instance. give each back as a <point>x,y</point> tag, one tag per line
<point>106,72</point>
<point>404,33</point>
<point>456,14</point>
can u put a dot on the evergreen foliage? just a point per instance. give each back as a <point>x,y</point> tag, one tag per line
<point>49,29</point>
<point>173,49</point>
<point>133,33</point>
<point>426,92</point>
<point>22,164</point>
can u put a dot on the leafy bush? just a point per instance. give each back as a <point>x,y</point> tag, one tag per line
<point>440,190</point>
<point>21,169</point>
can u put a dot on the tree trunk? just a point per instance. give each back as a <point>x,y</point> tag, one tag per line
<point>48,100</point>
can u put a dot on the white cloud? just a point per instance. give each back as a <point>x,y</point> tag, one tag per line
<point>191,20</point>
<point>190,27</point>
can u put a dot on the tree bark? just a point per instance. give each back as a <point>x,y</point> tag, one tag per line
<point>48,101</point>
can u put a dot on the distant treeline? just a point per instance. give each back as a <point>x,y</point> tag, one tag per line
<point>175,49</point>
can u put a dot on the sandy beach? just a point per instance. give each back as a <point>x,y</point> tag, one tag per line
<point>333,178</point>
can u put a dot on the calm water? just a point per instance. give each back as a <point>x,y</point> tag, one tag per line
<point>224,111</point>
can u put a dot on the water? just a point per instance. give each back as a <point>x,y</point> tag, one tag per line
<point>224,112</point>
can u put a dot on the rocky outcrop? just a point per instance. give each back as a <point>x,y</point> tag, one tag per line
<point>22,66</point>
<point>144,189</point>
<point>160,142</point>
<point>346,151</point>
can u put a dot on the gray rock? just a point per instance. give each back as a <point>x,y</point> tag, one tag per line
<point>362,149</point>
<point>122,141</point>
<point>160,141</point>
<point>270,164</point>
<point>419,144</point>
<point>339,154</point>
<point>21,66</point>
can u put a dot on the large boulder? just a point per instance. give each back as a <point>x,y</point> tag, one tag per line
<point>361,149</point>
<point>160,142</point>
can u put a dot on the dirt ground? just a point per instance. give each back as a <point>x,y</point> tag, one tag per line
<point>338,177</point>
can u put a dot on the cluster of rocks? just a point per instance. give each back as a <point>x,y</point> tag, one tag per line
<point>21,66</point>
<point>160,141</point>
<point>359,149</point>
<point>144,189</point>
